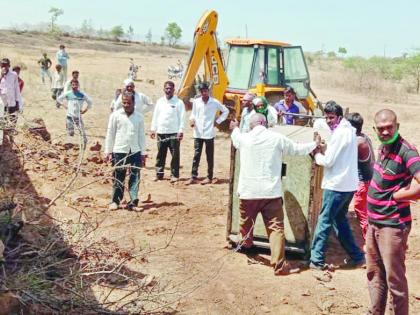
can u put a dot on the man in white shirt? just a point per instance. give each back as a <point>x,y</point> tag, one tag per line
<point>202,118</point>
<point>261,105</point>
<point>125,144</point>
<point>168,124</point>
<point>57,86</point>
<point>259,187</point>
<point>62,57</point>
<point>339,184</point>
<point>142,103</point>
<point>74,76</point>
<point>10,97</point>
<point>75,100</point>
<point>247,108</point>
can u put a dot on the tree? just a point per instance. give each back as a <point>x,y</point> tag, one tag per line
<point>412,68</point>
<point>87,29</point>
<point>342,51</point>
<point>130,32</point>
<point>55,13</point>
<point>162,40</point>
<point>173,33</point>
<point>117,32</point>
<point>331,54</point>
<point>149,36</point>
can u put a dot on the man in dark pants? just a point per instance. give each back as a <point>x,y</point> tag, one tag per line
<point>390,191</point>
<point>125,143</point>
<point>202,118</point>
<point>168,124</point>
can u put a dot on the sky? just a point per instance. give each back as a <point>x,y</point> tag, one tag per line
<point>363,27</point>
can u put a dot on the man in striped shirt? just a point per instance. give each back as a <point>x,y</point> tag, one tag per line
<point>390,192</point>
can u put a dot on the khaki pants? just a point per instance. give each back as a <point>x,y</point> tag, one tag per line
<point>272,213</point>
<point>385,258</point>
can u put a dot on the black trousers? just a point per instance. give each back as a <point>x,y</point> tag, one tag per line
<point>167,141</point>
<point>123,162</point>
<point>198,148</point>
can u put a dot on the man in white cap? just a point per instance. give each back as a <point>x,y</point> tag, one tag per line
<point>247,108</point>
<point>142,103</point>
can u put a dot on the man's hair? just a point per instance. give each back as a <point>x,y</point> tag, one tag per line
<point>171,83</point>
<point>16,68</point>
<point>5,60</point>
<point>62,46</point>
<point>203,86</point>
<point>126,94</point>
<point>356,120</point>
<point>388,113</point>
<point>58,66</point>
<point>289,89</point>
<point>74,72</point>
<point>74,81</point>
<point>334,108</point>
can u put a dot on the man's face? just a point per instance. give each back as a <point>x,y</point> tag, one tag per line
<point>246,103</point>
<point>204,94</point>
<point>169,90</point>
<point>4,68</point>
<point>74,86</point>
<point>127,103</point>
<point>332,120</point>
<point>75,75</point>
<point>259,106</point>
<point>289,97</point>
<point>130,87</point>
<point>385,128</point>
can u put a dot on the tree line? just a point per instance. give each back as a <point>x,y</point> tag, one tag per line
<point>171,37</point>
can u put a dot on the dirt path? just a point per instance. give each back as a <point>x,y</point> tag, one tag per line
<point>197,265</point>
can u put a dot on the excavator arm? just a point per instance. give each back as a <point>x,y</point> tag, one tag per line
<point>205,50</point>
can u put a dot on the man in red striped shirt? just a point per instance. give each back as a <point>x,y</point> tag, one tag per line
<point>390,192</point>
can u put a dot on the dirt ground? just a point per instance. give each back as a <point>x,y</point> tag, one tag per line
<point>204,276</point>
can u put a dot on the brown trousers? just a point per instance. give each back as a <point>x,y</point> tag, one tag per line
<point>385,258</point>
<point>272,213</point>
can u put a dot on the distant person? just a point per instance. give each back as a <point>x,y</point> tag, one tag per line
<point>365,161</point>
<point>167,126</point>
<point>391,189</point>
<point>57,86</point>
<point>62,59</point>
<point>45,64</point>
<point>17,69</point>
<point>125,145</point>
<point>10,97</point>
<point>287,106</point>
<point>259,188</point>
<point>142,103</point>
<point>339,184</point>
<point>247,108</point>
<point>74,76</point>
<point>202,119</point>
<point>113,105</point>
<point>75,101</point>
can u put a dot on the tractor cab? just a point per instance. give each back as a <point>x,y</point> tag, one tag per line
<point>275,65</point>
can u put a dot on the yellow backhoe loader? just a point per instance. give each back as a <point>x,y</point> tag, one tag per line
<point>261,66</point>
<point>266,68</point>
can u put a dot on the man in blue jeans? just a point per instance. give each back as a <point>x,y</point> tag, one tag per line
<point>339,184</point>
<point>125,144</point>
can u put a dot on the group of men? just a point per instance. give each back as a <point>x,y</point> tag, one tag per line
<point>125,140</point>
<point>381,190</point>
